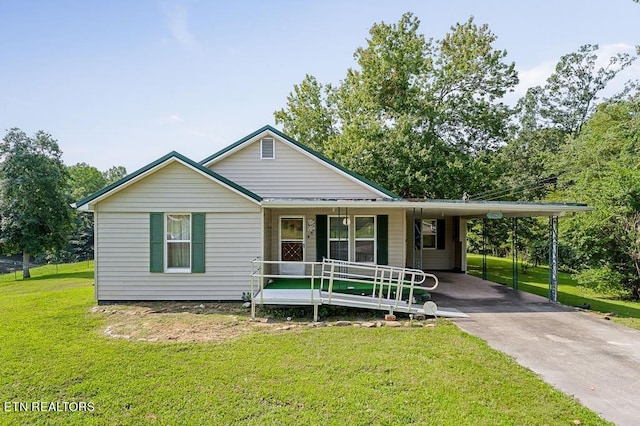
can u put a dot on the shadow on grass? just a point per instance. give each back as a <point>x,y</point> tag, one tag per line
<point>598,304</point>
<point>64,275</point>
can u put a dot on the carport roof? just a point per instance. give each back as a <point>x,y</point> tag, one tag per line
<point>465,209</point>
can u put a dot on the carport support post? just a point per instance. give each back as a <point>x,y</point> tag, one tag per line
<point>553,258</point>
<point>514,252</point>
<point>484,249</point>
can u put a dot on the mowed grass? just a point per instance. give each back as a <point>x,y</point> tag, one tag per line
<point>52,349</point>
<point>536,281</point>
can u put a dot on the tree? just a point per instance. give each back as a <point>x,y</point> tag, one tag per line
<point>114,174</point>
<point>417,116</point>
<point>570,94</point>
<point>601,168</point>
<point>549,114</point>
<point>307,116</point>
<point>35,214</point>
<point>84,180</point>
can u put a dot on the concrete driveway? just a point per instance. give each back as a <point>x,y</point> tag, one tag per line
<point>580,353</point>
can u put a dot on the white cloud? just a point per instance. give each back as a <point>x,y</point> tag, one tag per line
<point>170,119</point>
<point>178,23</point>
<point>175,118</point>
<point>535,76</point>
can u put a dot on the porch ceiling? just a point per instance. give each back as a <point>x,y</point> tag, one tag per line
<point>465,209</point>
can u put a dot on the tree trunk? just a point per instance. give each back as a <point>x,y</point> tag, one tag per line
<point>25,265</point>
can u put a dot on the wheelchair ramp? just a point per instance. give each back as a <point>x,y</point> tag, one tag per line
<point>389,289</point>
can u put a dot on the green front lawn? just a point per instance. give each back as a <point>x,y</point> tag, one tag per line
<point>536,281</point>
<point>53,349</point>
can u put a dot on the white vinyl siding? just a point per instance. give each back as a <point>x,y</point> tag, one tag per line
<point>232,240</point>
<point>176,187</point>
<point>232,230</point>
<point>291,174</point>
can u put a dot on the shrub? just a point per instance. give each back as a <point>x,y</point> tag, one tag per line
<point>603,280</point>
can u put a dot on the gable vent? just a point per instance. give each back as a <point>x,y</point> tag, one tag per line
<point>267,149</point>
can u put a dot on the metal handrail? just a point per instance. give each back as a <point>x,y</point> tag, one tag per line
<point>332,269</point>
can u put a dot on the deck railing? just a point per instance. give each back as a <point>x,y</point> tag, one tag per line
<point>388,282</point>
<point>258,273</point>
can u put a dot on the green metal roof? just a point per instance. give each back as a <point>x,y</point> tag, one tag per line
<point>306,149</point>
<point>158,162</point>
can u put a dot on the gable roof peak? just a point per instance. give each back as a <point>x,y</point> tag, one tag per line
<point>309,151</point>
<point>149,168</point>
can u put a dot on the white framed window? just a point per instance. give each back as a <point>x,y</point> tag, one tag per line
<point>365,239</point>
<point>429,233</point>
<point>339,237</point>
<point>177,242</point>
<point>267,149</point>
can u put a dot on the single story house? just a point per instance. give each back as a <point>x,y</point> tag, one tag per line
<point>178,229</point>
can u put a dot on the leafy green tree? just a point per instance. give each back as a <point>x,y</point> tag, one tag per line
<point>114,174</point>
<point>601,168</point>
<point>35,214</point>
<point>570,94</point>
<point>308,116</point>
<point>417,116</point>
<point>84,180</point>
<point>548,115</point>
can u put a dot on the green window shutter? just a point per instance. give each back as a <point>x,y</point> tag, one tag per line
<point>156,239</point>
<point>441,236</point>
<point>321,237</point>
<point>197,242</point>
<point>382,234</point>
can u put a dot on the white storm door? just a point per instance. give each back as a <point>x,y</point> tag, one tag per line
<point>292,245</point>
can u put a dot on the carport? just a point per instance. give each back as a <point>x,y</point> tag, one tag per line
<point>462,211</point>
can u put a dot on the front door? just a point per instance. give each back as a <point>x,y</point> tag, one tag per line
<point>292,244</point>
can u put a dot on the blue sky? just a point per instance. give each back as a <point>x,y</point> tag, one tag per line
<point>124,82</point>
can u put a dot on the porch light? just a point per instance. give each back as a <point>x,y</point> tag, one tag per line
<point>346,221</point>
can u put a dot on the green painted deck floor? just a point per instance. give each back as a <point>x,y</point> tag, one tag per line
<point>338,286</point>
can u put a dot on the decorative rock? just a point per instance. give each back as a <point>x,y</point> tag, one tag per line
<point>342,323</point>
<point>420,317</point>
<point>319,324</point>
<point>369,324</point>
<point>415,324</point>
<point>393,324</point>
<point>389,317</point>
<point>246,305</point>
<point>379,323</point>
<point>357,324</point>
<point>430,325</point>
